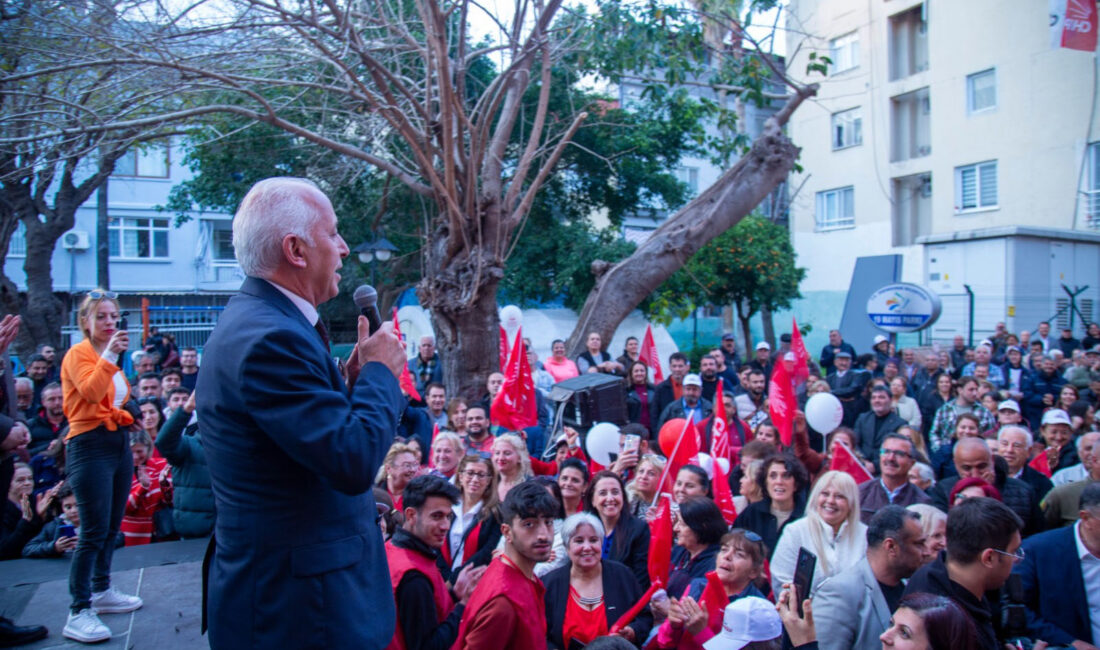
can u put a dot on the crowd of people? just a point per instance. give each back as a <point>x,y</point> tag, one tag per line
<point>969,455</point>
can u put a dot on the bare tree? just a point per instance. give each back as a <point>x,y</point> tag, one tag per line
<point>394,83</point>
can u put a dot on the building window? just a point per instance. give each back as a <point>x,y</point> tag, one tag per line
<point>844,51</point>
<point>981,91</point>
<point>136,238</point>
<point>976,187</point>
<point>145,162</point>
<point>847,128</point>
<point>1092,189</point>
<point>17,245</point>
<point>689,176</point>
<point>223,242</point>
<point>836,209</point>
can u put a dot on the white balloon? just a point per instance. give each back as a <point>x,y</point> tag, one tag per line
<point>602,441</point>
<point>511,317</point>
<point>724,463</point>
<point>706,462</point>
<point>824,413</point>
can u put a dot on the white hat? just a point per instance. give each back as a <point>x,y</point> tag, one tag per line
<point>789,356</point>
<point>763,345</point>
<point>880,339</point>
<point>1009,405</point>
<point>1056,416</point>
<point>746,620</point>
<point>693,380</point>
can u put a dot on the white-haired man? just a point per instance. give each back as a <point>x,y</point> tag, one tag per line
<point>291,449</point>
<point>1014,445</point>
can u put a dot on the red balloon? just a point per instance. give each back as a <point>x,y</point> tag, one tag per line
<point>668,436</point>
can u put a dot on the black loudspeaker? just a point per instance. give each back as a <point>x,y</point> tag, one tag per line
<point>591,398</point>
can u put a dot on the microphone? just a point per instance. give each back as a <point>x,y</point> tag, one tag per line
<point>366,299</point>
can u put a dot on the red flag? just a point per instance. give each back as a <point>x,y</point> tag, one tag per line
<point>648,354</point>
<point>1041,463</point>
<point>406,380</point>
<point>801,356</point>
<point>660,542</point>
<point>514,406</point>
<point>1073,24</point>
<point>503,348</point>
<point>435,432</point>
<point>723,496</point>
<point>845,461</point>
<point>633,612</point>
<point>781,403</point>
<point>719,431</point>
<point>714,599</point>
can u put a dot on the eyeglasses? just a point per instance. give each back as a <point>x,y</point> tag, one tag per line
<point>1018,556</point>
<point>895,452</point>
<point>100,295</point>
<point>406,465</point>
<point>478,475</point>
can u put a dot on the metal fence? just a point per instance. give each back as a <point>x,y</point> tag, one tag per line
<point>190,325</point>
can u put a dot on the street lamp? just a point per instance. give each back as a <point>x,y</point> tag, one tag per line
<point>380,249</point>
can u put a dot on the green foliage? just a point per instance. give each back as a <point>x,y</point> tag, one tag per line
<point>753,262</point>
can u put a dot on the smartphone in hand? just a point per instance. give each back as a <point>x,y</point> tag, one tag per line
<point>803,577</point>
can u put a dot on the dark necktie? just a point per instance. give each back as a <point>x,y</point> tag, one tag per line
<point>320,327</point>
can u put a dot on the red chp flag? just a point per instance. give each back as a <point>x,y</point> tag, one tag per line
<point>514,406</point>
<point>406,380</point>
<point>714,600</point>
<point>781,403</point>
<point>719,429</point>
<point>503,348</point>
<point>723,495</point>
<point>660,542</point>
<point>648,354</point>
<point>801,356</point>
<point>1073,24</point>
<point>844,461</point>
<point>1041,463</point>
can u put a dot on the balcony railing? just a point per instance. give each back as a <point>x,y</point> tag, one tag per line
<point>1090,209</point>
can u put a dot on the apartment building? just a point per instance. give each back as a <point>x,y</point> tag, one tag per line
<point>952,146</point>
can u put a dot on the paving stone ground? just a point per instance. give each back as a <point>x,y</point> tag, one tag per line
<point>167,576</point>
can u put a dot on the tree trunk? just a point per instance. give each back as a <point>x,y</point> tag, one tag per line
<point>620,289</point>
<point>746,334</point>
<point>769,326</point>
<point>102,239</point>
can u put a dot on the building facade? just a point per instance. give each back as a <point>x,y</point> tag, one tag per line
<point>953,136</point>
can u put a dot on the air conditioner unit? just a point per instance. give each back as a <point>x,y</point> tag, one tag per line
<point>76,240</point>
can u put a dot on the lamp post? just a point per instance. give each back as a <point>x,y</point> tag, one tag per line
<point>380,249</point>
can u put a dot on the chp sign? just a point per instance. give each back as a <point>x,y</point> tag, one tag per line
<point>903,307</point>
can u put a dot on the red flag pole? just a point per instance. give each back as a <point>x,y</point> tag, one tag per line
<point>668,463</point>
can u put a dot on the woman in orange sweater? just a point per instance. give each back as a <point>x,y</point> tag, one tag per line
<point>99,463</point>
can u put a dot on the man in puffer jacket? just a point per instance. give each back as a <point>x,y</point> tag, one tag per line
<point>193,500</point>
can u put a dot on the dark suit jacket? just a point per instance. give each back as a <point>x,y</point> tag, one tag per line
<point>630,547</point>
<point>620,592</point>
<point>298,560</point>
<point>1057,611</point>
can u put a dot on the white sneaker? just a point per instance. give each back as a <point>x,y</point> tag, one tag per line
<point>85,627</point>
<point>114,602</point>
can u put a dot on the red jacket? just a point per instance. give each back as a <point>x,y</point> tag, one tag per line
<point>506,610</point>
<point>401,561</point>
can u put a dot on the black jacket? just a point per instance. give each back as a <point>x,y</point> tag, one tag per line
<point>620,592</point>
<point>675,409</point>
<point>488,536</point>
<point>630,547</point>
<point>665,395</point>
<point>759,519</point>
<point>932,578</point>
<point>634,408</point>
<point>871,430</point>
<point>416,603</point>
<point>1041,484</point>
<point>686,568</point>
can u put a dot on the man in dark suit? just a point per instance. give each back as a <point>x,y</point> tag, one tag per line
<point>847,385</point>
<point>836,346</point>
<point>298,559</point>
<point>1060,573</point>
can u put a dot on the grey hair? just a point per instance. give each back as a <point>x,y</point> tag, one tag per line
<point>1080,442</point>
<point>1013,427</point>
<point>929,516</point>
<point>575,521</point>
<point>272,209</point>
<point>925,471</point>
<point>24,382</point>
<point>450,437</point>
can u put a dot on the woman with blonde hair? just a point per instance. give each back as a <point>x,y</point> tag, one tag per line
<point>398,468</point>
<point>647,481</point>
<point>511,462</point>
<point>831,530</point>
<point>98,461</point>
<point>933,523</point>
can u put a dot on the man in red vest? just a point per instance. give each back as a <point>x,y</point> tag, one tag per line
<point>507,609</point>
<point>427,613</point>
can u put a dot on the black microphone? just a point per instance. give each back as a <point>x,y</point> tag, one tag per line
<point>366,299</point>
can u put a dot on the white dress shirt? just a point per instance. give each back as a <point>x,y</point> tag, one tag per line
<point>303,305</point>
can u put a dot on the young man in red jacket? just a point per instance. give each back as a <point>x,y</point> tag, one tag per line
<point>428,612</point>
<point>507,609</point>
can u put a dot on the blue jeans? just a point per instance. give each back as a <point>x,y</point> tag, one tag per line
<point>100,470</point>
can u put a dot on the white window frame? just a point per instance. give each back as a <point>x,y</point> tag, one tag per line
<point>843,199</point>
<point>117,227</point>
<point>844,52</point>
<point>17,245</point>
<point>689,176</point>
<point>1092,187</point>
<point>135,162</point>
<point>217,232</point>
<point>971,108</point>
<point>850,124</point>
<point>980,171</point>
